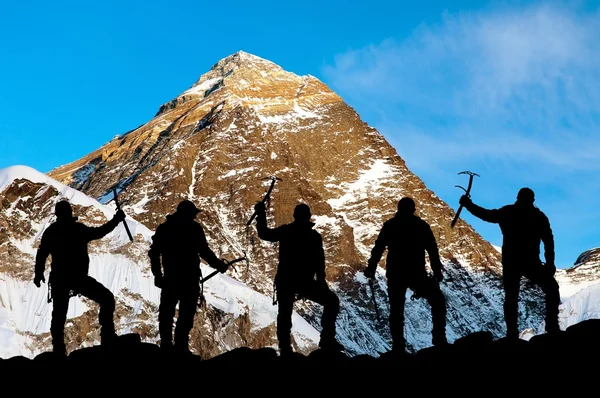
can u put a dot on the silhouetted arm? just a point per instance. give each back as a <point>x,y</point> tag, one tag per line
<point>548,240</point>
<point>155,253</point>
<point>320,259</point>
<point>432,250</point>
<point>42,254</point>
<point>264,232</point>
<point>93,233</point>
<point>488,215</point>
<point>206,253</point>
<point>378,248</point>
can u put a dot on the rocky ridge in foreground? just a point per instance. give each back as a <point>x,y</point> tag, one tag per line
<point>471,360</point>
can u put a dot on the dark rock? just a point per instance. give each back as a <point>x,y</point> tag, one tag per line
<point>472,360</point>
<point>18,360</point>
<point>476,339</point>
<point>589,328</point>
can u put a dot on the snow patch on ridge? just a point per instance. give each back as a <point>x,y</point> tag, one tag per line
<point>9,174</point>
<point>352,204</point>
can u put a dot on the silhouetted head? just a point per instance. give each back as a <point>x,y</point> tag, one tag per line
<point>406,206</point>
<point>302,213</point>
<point>64,211</point>
<point>526,196</point>
<point>187,209</point>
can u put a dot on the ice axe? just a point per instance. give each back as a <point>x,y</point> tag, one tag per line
<point>267,195</point>
<point>228,264</point>
<point>467,192</point>
<point>201,296</point>
<point>371,285</point>
<point>124,222</point>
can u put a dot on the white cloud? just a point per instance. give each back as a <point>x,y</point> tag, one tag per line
<point>511,93</point>
<point>522,84</point>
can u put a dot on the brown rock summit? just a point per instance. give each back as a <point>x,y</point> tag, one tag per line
<point>246,119</point>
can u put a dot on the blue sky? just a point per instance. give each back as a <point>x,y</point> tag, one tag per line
<point>510,90</point>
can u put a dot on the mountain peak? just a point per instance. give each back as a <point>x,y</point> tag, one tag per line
<point>232,66</point>
<point>11,173</point>
<point>21,172</point>
<point>225,67</point>
<point>251,81</point>
<point>33,180</point>
<point>246,59</point>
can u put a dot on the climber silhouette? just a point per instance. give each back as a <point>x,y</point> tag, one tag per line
<point>178,246</point>
<point>523,227</point>
<point>300,275</point>
<point>407,237</point>
<point>66,242</point>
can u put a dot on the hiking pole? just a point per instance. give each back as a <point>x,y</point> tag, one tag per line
<point>267,195</point>
<point>371,282</point>
<point>467,192</point>
<point>124,222</point>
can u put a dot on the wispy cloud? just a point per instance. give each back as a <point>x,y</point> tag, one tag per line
<point>512,92</point>
<point>495,81</point>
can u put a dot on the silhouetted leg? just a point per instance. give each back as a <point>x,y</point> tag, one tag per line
<point>94,290</point>
<point>429,289</point>
<point>511,281</point>
<point>397,297</point>
<point>544,279</point>
<point>321,294</point>
<point>166,313</point>
<point>60,306</point>
<point>285,300</point>
<point>185,320</point>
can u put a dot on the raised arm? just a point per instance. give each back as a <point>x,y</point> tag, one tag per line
<point>488,215</point>
<point>93,233</point>
<point>264,232</point>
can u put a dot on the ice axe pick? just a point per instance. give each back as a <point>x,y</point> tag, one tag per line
<point>467,192</point>
<point>267,195</point>
<point>124,222</point>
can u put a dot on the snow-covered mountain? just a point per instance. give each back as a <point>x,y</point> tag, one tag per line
<point>584,273</point>
<point>243,120</point>
<point>26,209</point>
<point>583,305</point>
<point>580,290</point>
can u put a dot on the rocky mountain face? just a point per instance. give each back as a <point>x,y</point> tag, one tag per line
<point>247,119</point>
